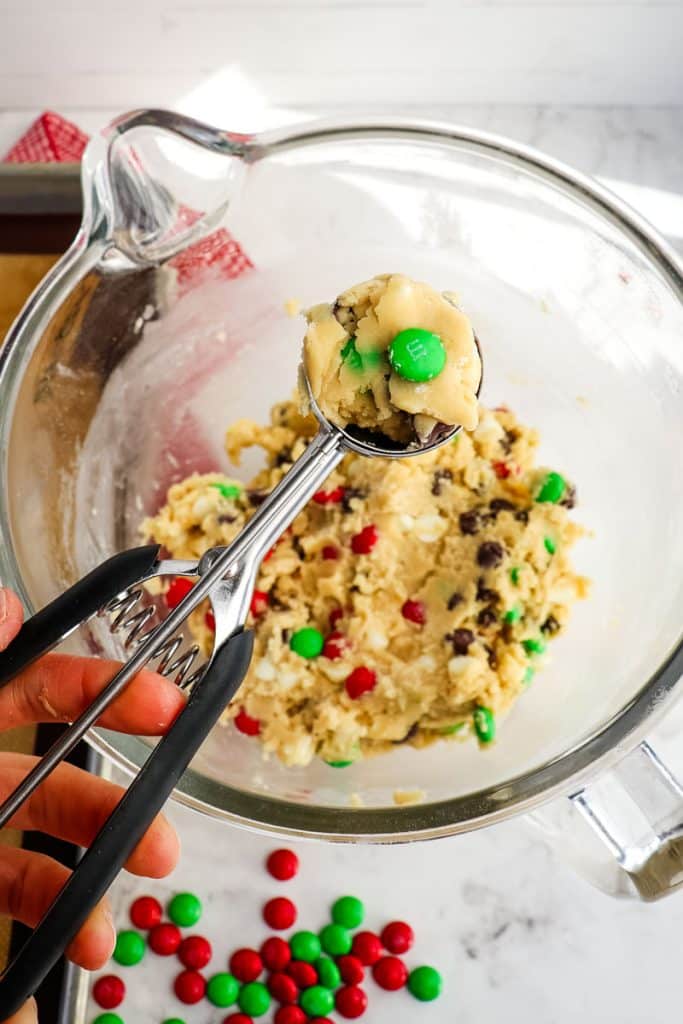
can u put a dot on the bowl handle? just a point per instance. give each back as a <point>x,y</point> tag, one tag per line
<point>154,180</point>
<point>634,812</point>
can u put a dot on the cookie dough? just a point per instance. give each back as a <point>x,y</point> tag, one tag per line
<point>410,601</point>
<point>393,356</point>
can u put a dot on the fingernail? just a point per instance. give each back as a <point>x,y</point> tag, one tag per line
<point>109,918</point>
<point>3,605</point>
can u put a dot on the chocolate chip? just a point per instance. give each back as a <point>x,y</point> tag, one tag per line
<point>491,656</point>
<point>487,616</point>
<point>501,505</point>
<point>225,517</point>
<point>257,498</point>
<point>286,633</point>
<point>522,515</point>
<point>283,457</point>
<point>349,494</point>
<point>470,522</point>
<point>454,600</point>
<point>409,735</point>
<point>550,626</point>
<point>438,480</point>
<point>506,442</point>
<point>460,639</point>
<point>569,500</point>
<point>298,547</point>
<point>490,554</point>
<point>486,593</point>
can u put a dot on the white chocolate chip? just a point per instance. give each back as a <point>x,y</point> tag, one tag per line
<point>406,522</point>
<point>430,528</point>
<point>376,641</point>
<point>460,664</point>
<point>264,670</point>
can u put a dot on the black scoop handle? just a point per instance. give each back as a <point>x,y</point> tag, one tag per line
<point>127,824</point>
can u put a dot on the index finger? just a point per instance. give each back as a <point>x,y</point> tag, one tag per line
<point>59,687</point>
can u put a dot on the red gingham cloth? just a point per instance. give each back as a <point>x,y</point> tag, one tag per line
<point>53,139</point>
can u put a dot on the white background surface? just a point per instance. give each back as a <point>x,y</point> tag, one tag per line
<point>516,934</point>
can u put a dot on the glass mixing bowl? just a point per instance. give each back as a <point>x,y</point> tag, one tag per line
<point>155,332</point>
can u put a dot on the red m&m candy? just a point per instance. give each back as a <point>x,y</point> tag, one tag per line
<point>194,952</point>
<point>189,987</point>
<point>360,681</point>
<point>362,543</point>
<point>397,937</point>
<point>237,1018</point>
<point>108,991</point>
<point>282,864</point>
<point>145,912</point>
<point>283,987</point>
<point>330,553</point>
<point>275,953</point>
<point>279,913</point>
<point>351,969</point>
<point>165,939</point>
<point>351,1001</point>
<point>259,603</point>
<point>290,1015</point>
<point>367,947</point>
<point>304,974</point>
<point>179,588</point>
<point>246,964</point>
<point>414,611</point>
<point>246,724</point>
<point>390,973</point>
<point>335,646</point>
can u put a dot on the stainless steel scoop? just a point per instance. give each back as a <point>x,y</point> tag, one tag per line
<point>226,576</point>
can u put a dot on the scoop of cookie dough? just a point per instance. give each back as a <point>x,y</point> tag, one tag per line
<point>395,356</point>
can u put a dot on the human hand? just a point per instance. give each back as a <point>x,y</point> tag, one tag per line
<point>71,804</point>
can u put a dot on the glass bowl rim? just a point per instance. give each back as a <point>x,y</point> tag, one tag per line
<point>563,774</point>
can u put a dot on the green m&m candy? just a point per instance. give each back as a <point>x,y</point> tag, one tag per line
<point>185,909</point>
<point>552,489</point>
<point>550,545</point>
<point>307,642</point>
<point>348,911</point>
<point>417,355</point>
<point>305,946</point>
<point>335,939</point>
<point>108,1018</point>
<point>328,972</point>
<point>450,730</point>
<point>222,989</point>
<point>316,1001</point>
<point>484,724</point>
<point>173,1020</point>
<point>351,357</point>
<point>513,615</point>
<point>425,984</point>
<point>338,764</point>
<point>129,949</point>
<point>534,646</point>
<point>254,999</point>
<point>228,490</point>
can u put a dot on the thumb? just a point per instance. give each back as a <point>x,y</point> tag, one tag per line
<point>11,616</point>
<point>28,1014</point>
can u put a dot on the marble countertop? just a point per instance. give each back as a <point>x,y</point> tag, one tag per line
<point>516,934</point>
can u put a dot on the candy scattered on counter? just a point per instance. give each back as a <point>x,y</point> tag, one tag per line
<point>194,952</point>
<point>185,909</point>
<point>146,912</point>
<point>129,949</point>
<point>309,975</point>
<point>282,864</point>
<point>108,991</point>
<point>165,939</point>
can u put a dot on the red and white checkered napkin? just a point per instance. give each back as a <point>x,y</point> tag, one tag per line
<point>53,139</point>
